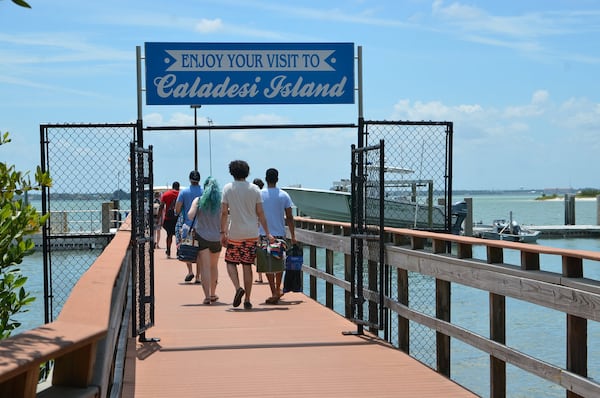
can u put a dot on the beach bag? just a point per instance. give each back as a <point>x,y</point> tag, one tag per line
<point>270,256</point>
<point>293,278</point>
<point>187,251</point>
<point>188,247</point>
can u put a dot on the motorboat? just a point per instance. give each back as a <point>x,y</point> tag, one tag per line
<point>509,230</point>
<point>334,204</point>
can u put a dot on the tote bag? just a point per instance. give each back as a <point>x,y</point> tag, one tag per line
<point>293,278</point>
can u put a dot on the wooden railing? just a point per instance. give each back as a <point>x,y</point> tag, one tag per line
<point>85,337</point>
<point>84,340</point>
<point>426,253</point>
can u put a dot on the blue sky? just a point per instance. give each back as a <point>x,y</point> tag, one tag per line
<point>519,80</point>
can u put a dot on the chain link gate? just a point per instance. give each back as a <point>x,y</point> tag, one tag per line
<point>367,220</point>
<point>142,241</point>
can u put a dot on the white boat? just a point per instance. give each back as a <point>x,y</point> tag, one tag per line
<point>508,230</point>
<point>334,205</point>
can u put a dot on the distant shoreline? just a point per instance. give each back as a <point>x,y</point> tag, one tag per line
<point>559,199</point>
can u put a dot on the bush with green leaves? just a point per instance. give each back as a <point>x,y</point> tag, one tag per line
<point>18,221</point>
<point>21,3</point>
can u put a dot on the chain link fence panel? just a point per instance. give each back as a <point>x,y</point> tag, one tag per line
<point>88,200</point>
<point>418,159</point>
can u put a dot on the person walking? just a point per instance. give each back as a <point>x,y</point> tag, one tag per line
<point>182,207</point>
<point>157,214</point>
<point>241,210</point>
<point>277,206</point>
<point>167,211</point>
<point>260,184</point>
<point>207,210</point>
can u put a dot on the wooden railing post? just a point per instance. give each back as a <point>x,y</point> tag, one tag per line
<point>530,261</point>
<point>312,260</point>
<point>403,323</point>
<point>329,286</point>
<point>348,306</point>
<point>442,311</point>
<point>373,283</point>
<point>497,334</point>
<point>495,255</point>
<point>75,368</point>
<point>576,327</point>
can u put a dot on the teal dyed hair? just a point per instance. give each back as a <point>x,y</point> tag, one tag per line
<point>211,197</point>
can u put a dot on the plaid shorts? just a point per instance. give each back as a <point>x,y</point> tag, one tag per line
<point>241,251</point>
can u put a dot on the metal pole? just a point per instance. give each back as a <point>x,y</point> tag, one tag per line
<point>140,124</point>
<point>209,120</point>
<point>360,82</point>
<point>195,107</point>
<point>195,139</point>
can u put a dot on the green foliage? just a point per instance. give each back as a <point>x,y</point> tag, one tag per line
<point>547,197</point>
<point>18,221</point>
<point>21,3</point>
<point>588,193</point>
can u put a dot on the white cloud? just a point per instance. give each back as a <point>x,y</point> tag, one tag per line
<point>580,114</point>
<point>209,25</point>
<point>540,96</point>
<point>263,118</point>
<point>433,110</point>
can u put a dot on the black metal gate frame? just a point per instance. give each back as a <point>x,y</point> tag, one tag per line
<point>361,232</point>
<point>252,127</point>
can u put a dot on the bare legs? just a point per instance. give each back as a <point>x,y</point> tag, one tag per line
<point>232,271</point>
<point>157,235</point>
<point>190,274</point>
<point>198,271</point>
<point>274,279</point>
<point>209,272</point>
<point>169,241</point>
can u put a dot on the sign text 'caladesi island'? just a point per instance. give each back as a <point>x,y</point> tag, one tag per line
<point>249,73</point>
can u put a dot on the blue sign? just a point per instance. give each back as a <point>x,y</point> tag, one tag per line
<point>249,73</point>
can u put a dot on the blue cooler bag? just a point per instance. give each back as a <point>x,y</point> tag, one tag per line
<point>293,279</point>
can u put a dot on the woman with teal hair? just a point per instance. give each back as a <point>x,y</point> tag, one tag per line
<point>208,234</point>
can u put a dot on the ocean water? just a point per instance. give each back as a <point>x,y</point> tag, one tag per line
<point>470,306</point>
<point>529,211</point>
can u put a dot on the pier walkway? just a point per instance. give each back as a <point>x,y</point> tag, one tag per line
<point>293,349</point>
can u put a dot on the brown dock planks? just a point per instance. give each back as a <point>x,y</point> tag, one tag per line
<point>293,349</point>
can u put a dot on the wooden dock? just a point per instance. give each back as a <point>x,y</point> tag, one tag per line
<point>293,349</point>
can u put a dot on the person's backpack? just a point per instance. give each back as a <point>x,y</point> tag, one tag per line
<point>171,210</point>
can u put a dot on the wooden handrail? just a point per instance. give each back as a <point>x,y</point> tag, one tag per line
<point>82,333</point>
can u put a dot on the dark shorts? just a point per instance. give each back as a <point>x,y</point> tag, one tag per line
<point>241,251</point>
<point>214,247</point>
<point>169,225</point>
